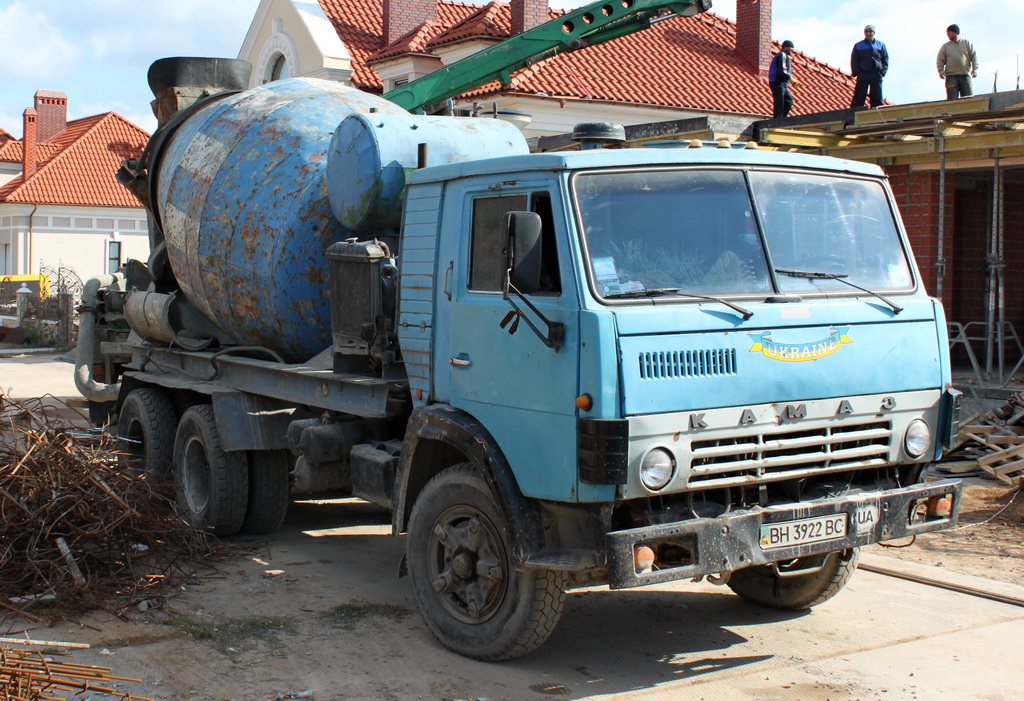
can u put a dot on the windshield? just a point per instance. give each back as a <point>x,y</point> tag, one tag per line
<point>834,225</point>
<point>686,229</point>
<point>696,231</point>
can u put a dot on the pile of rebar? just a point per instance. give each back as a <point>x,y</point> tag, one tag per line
<point>28,675</point>
<point>78,530</point>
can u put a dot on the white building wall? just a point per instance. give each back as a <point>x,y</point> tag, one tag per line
<point>75,237</point>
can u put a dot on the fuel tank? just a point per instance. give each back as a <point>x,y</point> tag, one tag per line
<point>241,193</point>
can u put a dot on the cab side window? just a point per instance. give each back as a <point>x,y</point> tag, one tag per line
<point>488,246</point>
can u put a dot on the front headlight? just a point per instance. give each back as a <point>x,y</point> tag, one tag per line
<point>657,468</point>
<point>918,438</point>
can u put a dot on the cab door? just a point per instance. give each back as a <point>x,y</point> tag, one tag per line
<point>522,391</point>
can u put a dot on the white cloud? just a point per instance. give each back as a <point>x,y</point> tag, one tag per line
<point>99,51</point>
<point>31,47</point>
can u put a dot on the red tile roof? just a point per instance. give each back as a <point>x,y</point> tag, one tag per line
<point>492,20</point>
<point>5,137</point>
<point>77,165</point>
<point>684,62</point>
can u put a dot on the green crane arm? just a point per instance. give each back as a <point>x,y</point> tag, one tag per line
<point>586,26</point>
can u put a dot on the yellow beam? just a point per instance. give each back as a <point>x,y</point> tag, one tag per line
<point>956,156</point>
<point>882,149</point>
<point>913,146</point>
<point>972,163</point>
<point>921,110</point>
<point>805,138</point>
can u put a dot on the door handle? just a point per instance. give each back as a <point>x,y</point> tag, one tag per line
<point>444,286</point>
<point>460,362</point>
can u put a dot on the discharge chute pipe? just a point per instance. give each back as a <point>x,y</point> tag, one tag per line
<point>85,353</point>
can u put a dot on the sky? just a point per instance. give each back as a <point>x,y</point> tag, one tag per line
<point>98,51</point>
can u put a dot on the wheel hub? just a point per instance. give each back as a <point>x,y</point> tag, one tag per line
<point>468,570</point>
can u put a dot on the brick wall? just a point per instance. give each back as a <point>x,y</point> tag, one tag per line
<point>973,212</point>
<point>967,224</point>
<point>1013,252</point>
<point>527,14</point>
<point>29,140</point>
<point>754,33</point>
<point>917,195</point>
<point>52,108</point>
<point>402,16</point>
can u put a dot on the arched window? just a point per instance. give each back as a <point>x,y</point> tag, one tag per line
<point>279,68</point>
<point>278,60</point>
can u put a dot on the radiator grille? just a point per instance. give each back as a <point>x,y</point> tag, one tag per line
<point>670,365</point>
<point>786,454</point>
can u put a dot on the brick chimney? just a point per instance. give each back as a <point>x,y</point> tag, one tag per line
<point>52,108</point>
<point>754,34</point>
<point>402,16</point>
<point>527,14</point>
<point>28,149</point>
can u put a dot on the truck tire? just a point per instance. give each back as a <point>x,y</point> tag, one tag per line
<point>147,423</point>
<point>268,491</point>
<point>463,580</point>
<point>761,585</point>
<point>213,484</point>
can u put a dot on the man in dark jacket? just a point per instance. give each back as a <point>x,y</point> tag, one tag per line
<point>868,63</point>
<point>780,75</point>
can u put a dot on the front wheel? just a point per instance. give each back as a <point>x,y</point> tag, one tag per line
<point>792,591</point>
<point>468,592</point>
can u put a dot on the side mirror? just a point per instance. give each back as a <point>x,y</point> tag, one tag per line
<point>523,232</point>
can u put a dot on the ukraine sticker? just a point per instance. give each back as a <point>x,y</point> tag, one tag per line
<point>799,352</point>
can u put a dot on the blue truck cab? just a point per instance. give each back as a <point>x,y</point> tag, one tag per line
<point>724,362</point>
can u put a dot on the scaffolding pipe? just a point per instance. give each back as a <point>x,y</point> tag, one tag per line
<point>997,188</point>
<point>940,259</point>
<point>990,284</point>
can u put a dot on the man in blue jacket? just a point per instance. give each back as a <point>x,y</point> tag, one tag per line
<point>780,75</point>
<point>868,63</point>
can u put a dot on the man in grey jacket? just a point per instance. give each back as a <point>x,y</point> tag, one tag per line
<point>957,63</point>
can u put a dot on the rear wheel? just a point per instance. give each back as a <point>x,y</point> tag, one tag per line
<point>147,424</point>
<point>464,583</point>
<point>213,484</point>
<point>793,591</point>
<point>268,491</point>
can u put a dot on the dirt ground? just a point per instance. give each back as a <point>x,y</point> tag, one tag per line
<point>318,612</point>
<point>984,544</point>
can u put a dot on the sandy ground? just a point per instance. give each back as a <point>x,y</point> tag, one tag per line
<point>989,541</point>
<point>319,612</point>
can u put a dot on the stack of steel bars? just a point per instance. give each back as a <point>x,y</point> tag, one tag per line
<point>28,675</point>
<point>78,530</point>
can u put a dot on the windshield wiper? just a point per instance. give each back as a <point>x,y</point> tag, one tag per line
<point>839,277</point>
<point>658,291</point>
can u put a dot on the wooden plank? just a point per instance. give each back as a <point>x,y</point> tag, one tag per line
<point>1001,455</point>
<point>1005,470</point>
<point>1006,440</point>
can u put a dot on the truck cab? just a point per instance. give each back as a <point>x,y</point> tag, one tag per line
<point>721,363</point>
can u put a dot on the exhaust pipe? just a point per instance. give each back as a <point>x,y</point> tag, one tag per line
<point>85,353</point>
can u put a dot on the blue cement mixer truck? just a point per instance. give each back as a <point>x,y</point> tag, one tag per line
<point>605,366</point>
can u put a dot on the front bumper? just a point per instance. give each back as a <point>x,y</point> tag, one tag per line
<point>733,541</point>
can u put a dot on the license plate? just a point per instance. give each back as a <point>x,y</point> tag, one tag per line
<point>802,531</point>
